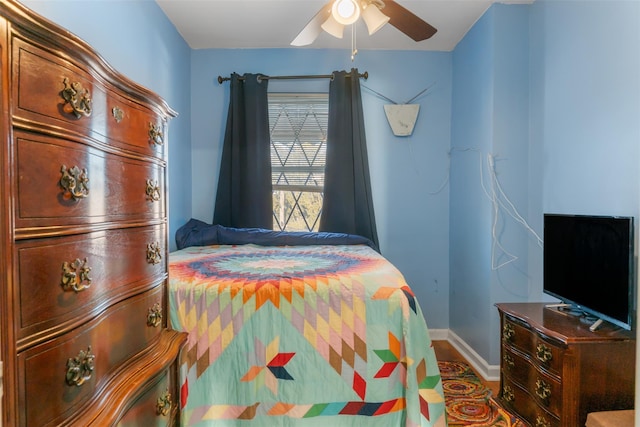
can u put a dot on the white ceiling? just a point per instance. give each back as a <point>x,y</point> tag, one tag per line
<point>275,23</point>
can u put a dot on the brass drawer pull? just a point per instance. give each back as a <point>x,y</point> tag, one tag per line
<point>155,134</point>
<point>77,97</point>
<point>153,253</point>
<point>75,275</point>
<point>117,113</point>
<point>163,405</point>
<point>507,394</point>
<point>75,182</point>
<point>543,353</point>
<point>152,190</point>
<point>154,316</point>
<point>542,422</point>
<point>543,390</point>
<point>79,368</point>
<point>508,332</point>
<point>508,360</point>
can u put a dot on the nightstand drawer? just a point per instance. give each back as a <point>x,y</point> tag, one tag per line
<point>543,352</point>
<point>514,396</point>
<point>517,336</point>
<point>517,367</point>
<point>546,391</point>
<point>547,355</point>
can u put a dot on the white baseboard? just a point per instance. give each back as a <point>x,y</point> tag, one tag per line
<point>487,371</point>
<point>439,334</point>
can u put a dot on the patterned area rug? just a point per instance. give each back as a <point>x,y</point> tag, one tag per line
<point>469,402</point>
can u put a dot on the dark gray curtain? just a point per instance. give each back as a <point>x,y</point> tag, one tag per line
<point>244,196</point>
<point>347,205</point>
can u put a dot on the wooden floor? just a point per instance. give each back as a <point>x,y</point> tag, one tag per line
<point>445,351</point>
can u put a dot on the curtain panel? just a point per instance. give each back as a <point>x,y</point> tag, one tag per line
<point>348,203</point>
<point>243,198</point>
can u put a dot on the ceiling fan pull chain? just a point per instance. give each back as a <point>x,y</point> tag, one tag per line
<point>354,49</point>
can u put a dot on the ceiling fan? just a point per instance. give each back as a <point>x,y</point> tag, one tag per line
<point>334,15</point>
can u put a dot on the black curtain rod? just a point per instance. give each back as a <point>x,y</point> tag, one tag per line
<point>364,75</point>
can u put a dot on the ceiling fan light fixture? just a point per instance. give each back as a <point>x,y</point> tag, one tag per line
<point>346,12</point>
<point>333,27</point>
<point>374,18</point>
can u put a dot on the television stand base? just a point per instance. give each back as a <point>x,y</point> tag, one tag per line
<point>595,325</point>
<point>569,309</point>
<point>557,305</point>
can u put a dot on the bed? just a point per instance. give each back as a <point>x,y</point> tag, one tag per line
<point>298,329</point>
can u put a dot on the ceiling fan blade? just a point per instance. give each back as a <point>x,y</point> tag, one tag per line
<point>312,30</point>
<point>407,22</point>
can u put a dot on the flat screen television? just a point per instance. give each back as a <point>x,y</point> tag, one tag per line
<point>589,265</point>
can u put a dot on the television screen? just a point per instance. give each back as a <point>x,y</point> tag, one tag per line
<point>588,263</point>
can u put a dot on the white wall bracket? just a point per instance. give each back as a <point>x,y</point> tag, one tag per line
<point>402,117</point>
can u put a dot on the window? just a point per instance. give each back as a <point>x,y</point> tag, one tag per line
<point>298,127</point>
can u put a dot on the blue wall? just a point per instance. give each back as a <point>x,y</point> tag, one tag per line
<point>138,40</point>
<point>590,95</point>
<point>470,214</point>
<point>489,178</point>
<point>551,90</point>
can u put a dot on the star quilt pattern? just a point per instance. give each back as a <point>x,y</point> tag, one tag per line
<point>301,335</point>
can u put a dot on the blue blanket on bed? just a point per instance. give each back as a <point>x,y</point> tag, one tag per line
<point>199,233</point>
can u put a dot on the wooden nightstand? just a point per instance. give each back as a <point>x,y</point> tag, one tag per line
<point>554,370</point>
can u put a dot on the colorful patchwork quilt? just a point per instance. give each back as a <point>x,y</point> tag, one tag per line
<point>301,336</point>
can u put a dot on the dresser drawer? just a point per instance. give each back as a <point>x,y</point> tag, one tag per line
<point>518,336</point>
<point>542,352</point>
<point>134,128</point>
<point>157,407</point>
<point>64,280</point>
<point>547,355</point>
<point>60,94</point>
<point>50,385</point>
<point>544,389</point>
<point>50,190</point>
<point>513,395</point>
<point>518,367</point>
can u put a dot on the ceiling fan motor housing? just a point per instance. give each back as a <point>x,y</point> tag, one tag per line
<point>334,15</point>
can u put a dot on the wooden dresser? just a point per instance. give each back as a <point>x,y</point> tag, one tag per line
<point>554,370</point>
<point>84,338</point>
